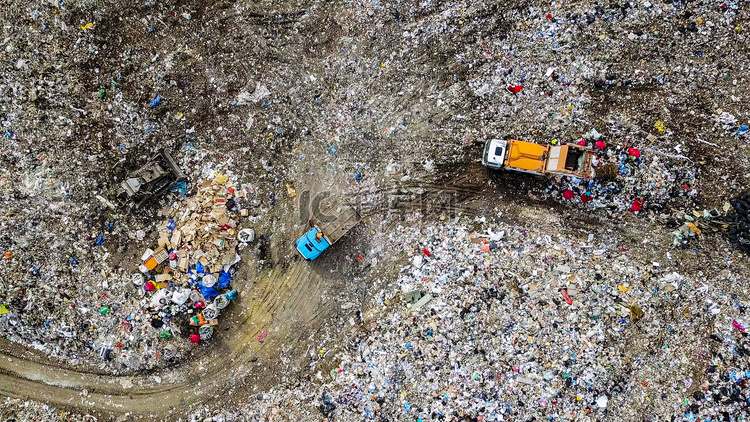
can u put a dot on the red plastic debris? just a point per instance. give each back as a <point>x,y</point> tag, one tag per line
<point>637,204</point>
<point>634,152</point>
<point>427,252</point>
<point>568,194</point>
<point>600,144</point>
<point>567,298</point>
<point>548,16</point>
<point>263,335</point>
<point>738,326</point>
<point>582,142</point>
<point>515,88</point>
<point>195,338</point>
<point>586,197</point>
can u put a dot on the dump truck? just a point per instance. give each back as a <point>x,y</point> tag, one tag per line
<point>331,225</point>
<point>156,177</point>
<point>566,160</point>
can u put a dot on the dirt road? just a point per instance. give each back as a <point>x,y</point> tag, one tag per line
<point>291,303</point>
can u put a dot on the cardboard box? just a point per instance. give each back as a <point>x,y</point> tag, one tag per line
<point>176,239</point>
<point>162,277</point>
<point>161,255</point>
<point>183,264</point>
<point>163,240</point>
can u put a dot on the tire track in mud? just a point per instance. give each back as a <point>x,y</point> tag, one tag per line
<point>105,395</point>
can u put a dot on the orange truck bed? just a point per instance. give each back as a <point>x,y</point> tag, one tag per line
<point>526,156</point>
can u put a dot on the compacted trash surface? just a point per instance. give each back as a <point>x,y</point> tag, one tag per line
<point>139,287</point>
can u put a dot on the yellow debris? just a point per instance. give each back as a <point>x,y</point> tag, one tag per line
<point>87,26</point>
<point>636,312</point>
<point>291,190</point>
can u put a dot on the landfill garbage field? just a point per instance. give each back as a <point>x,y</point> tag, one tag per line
<point>375,211</point>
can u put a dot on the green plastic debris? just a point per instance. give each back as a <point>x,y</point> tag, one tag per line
<point>104,310</point>
<point>165,334</point>
<point>102,93</point>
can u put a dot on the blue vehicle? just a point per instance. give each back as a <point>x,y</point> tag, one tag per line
<point>312,244</point>
<point>324,234</point>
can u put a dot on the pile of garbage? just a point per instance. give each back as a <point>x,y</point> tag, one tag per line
<point>128,320</point>
<point>189,269</point>
<point>624,181</point>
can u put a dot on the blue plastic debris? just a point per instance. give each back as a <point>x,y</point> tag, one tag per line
<point>156,102</point>
<point>171,225</point>
<point>207,292</point>
<point>180,188</point>
<point>199,268</point>
<point>224,279</point>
